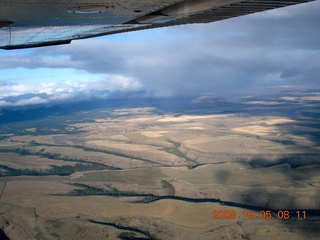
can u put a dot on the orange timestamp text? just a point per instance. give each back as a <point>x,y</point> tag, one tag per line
<point>262,214</point>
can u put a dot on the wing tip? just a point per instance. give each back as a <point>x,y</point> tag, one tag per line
<point>35,45</point>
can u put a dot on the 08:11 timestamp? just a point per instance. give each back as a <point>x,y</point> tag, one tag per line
<point>262,214</point>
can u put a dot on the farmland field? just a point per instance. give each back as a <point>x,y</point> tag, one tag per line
<point>148,172</point>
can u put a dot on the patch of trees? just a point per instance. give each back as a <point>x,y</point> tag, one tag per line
<point>86,190</point>
<point>294,160</point>
<point>19,151</point>
<point>119,154</point>
<point>54,170</point>
<point>87,149</point>
<point>126,235</point>
<point>56,156</point>
<point>19,129</point>
<point>176,151</point>
<point>168,186</point>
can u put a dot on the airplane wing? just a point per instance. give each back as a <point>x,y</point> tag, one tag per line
<point>37,23</point>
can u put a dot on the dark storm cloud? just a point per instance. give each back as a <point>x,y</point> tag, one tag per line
<point>270,48</point>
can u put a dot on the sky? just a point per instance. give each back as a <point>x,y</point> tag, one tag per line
<point>272,48</point>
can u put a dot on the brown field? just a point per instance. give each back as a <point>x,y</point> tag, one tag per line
<point>14,160</point>
<point>139,174</point>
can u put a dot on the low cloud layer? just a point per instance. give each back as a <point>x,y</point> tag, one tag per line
<point>17,94</point>
<point>279,47</point>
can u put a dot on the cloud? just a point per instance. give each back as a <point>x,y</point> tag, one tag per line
<point>31,101</point>
<point>270,48</point>
<point>23,102</point>
<point>122,83</point>
<point>17,94</point>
